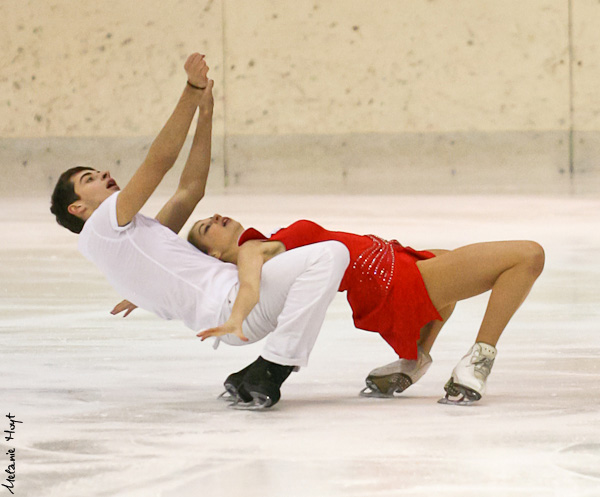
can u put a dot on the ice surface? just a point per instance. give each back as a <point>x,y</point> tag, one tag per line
<point>127,407</point>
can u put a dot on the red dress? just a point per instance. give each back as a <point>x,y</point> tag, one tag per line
<point>384,287</point>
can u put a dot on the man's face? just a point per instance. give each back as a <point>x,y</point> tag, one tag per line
<point>217,234</point>
<point>93,188</point>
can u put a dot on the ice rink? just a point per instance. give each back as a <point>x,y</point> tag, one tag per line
<point>127,407</point>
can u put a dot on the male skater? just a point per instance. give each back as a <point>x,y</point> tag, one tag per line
<point>148,264</point>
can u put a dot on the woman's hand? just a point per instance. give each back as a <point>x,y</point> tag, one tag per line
<point>226,328</point>
<point>124,305</point>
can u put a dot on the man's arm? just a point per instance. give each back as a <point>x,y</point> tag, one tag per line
<point>192,183</point>
<point>166,146</point>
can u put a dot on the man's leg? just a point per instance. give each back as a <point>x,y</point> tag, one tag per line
<point>296,289</point>
<point>316,272</point>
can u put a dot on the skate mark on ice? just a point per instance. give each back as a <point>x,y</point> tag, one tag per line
<point>583,459</point>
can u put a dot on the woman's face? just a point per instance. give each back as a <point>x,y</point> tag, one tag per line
<point>216,235</point>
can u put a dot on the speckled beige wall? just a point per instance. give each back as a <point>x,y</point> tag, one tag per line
<point>87,82</point>
<point>586,65</point>
<point>341,95</point>
<point>586,97</point>
<point>396,66</point>
<point>89,68</point>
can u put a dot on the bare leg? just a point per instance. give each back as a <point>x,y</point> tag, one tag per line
<point>431,330</point>
<point>509,269</point>
<point>398,376</point>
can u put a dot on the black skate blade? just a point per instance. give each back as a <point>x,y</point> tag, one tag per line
<point>259,402</point>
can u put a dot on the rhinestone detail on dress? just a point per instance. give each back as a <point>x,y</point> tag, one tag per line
<point>377,262</point>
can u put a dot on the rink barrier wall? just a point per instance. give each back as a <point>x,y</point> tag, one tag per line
<point>416,163</point>
<point>419,96</point>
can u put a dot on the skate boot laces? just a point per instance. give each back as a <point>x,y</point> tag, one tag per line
<point>482,364</point>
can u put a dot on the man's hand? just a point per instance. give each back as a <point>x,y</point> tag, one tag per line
<point>196,69</point>
<point>224,329</point>
<point>124,305</point>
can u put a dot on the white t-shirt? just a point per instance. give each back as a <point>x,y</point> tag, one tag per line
<point>155,269</point>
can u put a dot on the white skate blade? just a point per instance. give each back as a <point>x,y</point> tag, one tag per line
<point>399,383</point>
<point>462,395</point>
<point>230,394</point>
<point>259,402</point>
<point>374,394</point>
<point>227,397</point>
<point>458,402</point>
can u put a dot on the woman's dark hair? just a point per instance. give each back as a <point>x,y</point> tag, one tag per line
<point>63,196</point>
<point>195,243</point>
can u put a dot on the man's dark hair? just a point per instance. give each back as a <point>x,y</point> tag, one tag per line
<point>63,196</point>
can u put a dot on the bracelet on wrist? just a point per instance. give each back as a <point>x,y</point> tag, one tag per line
<point>196,87</point>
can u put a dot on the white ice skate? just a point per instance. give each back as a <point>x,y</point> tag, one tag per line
<point>468,380</point>
<point>396,377</point>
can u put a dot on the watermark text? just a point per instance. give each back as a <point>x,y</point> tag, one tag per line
<point>11,453</point>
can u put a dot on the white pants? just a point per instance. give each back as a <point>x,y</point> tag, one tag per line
<point>296,289</point>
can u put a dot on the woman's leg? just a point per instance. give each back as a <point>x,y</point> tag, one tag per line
<point>397,376</point>
<point>431,330</point>
<point>508,269</point>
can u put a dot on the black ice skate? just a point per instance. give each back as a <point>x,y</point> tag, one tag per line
<point>261,383</point>
<point>234,392</point>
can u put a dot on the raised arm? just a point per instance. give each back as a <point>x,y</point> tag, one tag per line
<point>192,183</point>
<point>166,146</point>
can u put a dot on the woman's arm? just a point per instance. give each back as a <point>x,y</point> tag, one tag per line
<point>250,260</point>
<point>271,248</point>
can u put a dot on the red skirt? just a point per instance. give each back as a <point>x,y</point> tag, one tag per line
<point>388,296</point>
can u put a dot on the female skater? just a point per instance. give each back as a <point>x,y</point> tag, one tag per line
<point>403,294</point>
